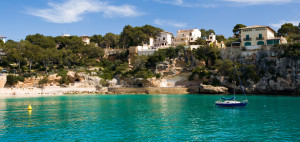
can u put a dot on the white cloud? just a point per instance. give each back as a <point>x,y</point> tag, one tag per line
<point>278,25</point>
<point>217,3</point>
<point>255,2</point>
<point>161,22</point>
<point>73,10</point>
<point>189,3</point>
<point>174,2</point>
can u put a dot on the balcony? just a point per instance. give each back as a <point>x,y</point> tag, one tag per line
<point>247,39</point>
<point>260,38</point>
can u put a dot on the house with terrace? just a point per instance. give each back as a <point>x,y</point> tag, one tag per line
<point>186,37</point>
<point>85,39</point>
<point>163,40</point>
<point>254,37</point>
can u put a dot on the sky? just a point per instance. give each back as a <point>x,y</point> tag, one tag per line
<point>20,18</point>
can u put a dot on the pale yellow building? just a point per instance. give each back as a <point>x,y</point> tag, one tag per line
<point>259,35</point>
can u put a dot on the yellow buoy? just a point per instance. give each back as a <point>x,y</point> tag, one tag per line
<point>29,107</point>
<point>29,112</point>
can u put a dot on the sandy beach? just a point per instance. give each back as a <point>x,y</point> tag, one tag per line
<point>43,92</point>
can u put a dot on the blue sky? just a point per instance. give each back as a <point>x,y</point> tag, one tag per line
<point>88,17</point>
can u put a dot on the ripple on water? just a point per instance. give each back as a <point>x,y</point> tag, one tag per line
<point>149,118</point>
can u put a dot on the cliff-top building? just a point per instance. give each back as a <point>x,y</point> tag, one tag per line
<point>85,39</point>
<point>186,37</point>
<point>163,40</point>
<point>3,38</point>
<point>259,35</point>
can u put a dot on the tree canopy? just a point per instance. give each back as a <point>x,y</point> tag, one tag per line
<point>206,33</point>
<point>288,29</point>
<point>236,29</point>
<point>133,36</point>
<point>41,40</point>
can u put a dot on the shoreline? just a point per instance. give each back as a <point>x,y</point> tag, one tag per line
<point>50,91</point>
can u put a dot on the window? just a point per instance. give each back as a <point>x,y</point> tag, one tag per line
<point>247,43</point>
<point>247,36</point>
<point>260,43</point>
<point>164,38</point>
<point>260,36</point>
<point>191,38</point>
<point>190,34</point>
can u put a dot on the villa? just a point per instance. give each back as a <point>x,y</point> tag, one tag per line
<point>3,38</point>
<point>85,39</point>
<point>256,36</point>
<point>163,40</point>
<point>186,37</point>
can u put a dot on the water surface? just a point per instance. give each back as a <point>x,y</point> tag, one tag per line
<point>148,118</point>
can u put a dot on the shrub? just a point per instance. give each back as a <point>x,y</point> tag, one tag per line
<point>158,75</point>
<point>215,82</point>
<point>64,77</point>
<point>11,80</point>
<point>43,81</point>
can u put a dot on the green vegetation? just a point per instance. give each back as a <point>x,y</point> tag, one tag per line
<point>208,54</point>
<point>288,29</point>
<point>201,72</point>
<point>230,40</point>
<point>12,80</point>
<point>290,50</point>
<point>220,38</point>
<point>236,29</point>
<point>39,55</point>
<point>43,81</point>
<point>162,54</point>
<point>206,33</point>
<point>133,36</point>
<point>226,68</point>
<point>64,77</point>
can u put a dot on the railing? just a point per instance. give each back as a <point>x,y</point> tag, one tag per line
<point>260,38</point>
<point>247,39</point>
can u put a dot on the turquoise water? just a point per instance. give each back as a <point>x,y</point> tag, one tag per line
<point>148,118</point>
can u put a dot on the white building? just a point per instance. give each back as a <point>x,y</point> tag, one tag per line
<point>65,35</point>
<point>142,50</point>
<point>211,38</point>
<point>85,39</point>
<point>163,40</point>
<point>3,38</point>
<point>185,37</point>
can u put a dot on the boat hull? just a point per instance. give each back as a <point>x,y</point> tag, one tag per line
<point>231,105</point>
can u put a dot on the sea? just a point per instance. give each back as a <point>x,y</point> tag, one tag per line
<point>149,118</point>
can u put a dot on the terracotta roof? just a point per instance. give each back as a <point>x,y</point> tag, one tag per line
<point>258,26</point>
<point>3,36</point>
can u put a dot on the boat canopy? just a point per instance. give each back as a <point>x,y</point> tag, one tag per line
<point>223,98</point>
